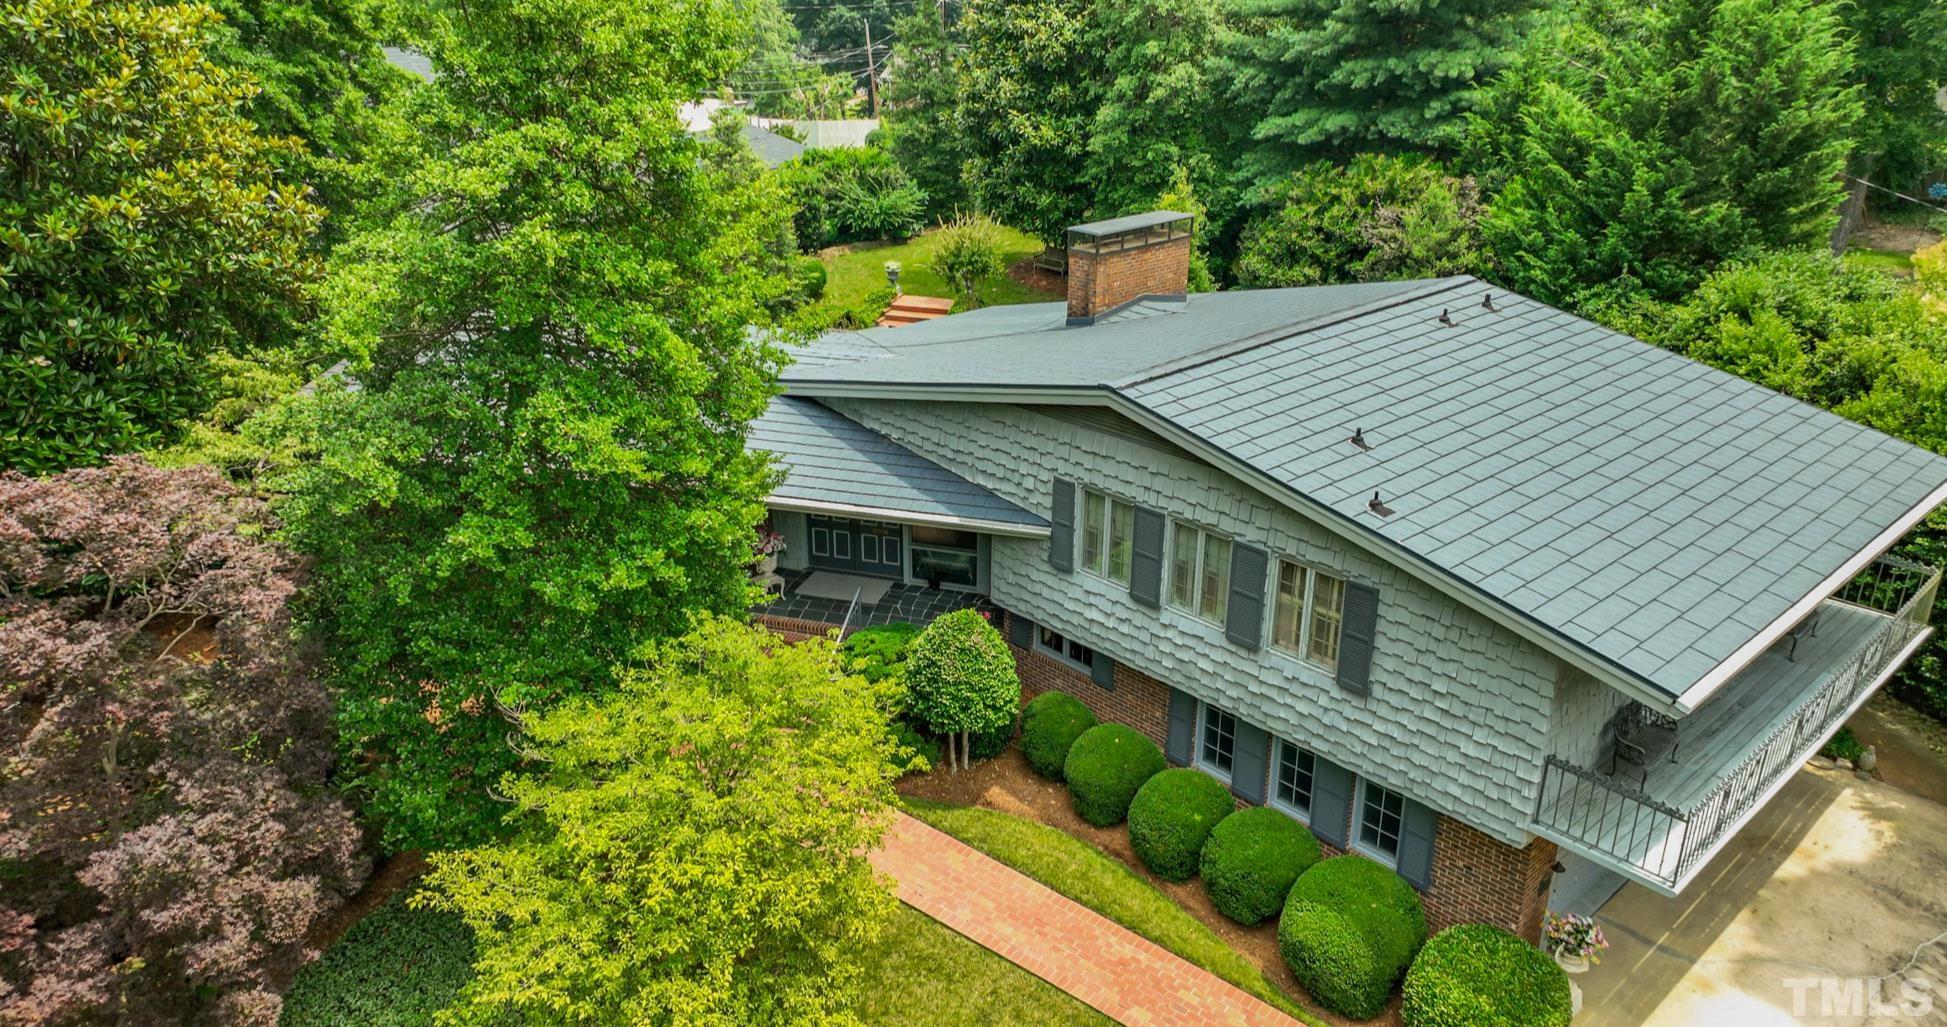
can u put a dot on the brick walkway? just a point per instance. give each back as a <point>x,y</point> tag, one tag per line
<point>1126,976</point>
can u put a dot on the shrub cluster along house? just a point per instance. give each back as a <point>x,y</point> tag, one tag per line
<point>1483,591</point>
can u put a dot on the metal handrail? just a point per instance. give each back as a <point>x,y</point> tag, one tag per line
<point>846,624</point>
<point>1666,842</point>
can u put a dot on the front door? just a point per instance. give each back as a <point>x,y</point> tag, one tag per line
<point>856,547</point>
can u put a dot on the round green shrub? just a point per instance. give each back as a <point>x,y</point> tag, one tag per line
<point>1049,726</point>
<point>1349,929</point>
<point>879,652</point>
<point>1476,974</point>
<point>1105,768</point>
<point>1251,861</point>
<point>960,677</point>
<point>1171,817</point>
<point>1331,957</point>
<point>1368,894</point>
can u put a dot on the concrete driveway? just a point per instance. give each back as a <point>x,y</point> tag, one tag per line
<point>1812,915</point>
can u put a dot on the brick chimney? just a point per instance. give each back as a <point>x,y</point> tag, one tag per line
<point>1112,262</point>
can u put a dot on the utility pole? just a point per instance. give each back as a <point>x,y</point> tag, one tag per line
<point>871,67</point>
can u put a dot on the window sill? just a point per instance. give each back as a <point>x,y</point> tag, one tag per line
<point>1064,659</point>
<point>1213,772</point>
<point>1377,856</point>
<point>1303,817</point>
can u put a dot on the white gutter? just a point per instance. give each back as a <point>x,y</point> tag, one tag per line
<point>881,513</point>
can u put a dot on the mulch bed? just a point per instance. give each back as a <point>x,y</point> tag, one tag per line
<point>1027,274</point>
<point>1007,784</point>
<point>392,874</point>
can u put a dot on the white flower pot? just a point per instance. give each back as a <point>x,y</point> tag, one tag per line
<point>1574,964</point>
<point>766,565</point>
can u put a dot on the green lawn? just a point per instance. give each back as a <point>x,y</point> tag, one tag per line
<point>921,973</point>
<point>853,275</point>
<point>400,966</point>
<point>1083,873</point>
<point>1890,261</point>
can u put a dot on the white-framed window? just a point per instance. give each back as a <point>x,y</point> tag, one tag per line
<point>1307,612</point>
<point>1063,648</point>
<point>1108,535</point>
<point>1199,571</point>
<point>1377,820</point>
<point>1216,741</point>
<point>1292,772</point>
<point>944,557</point>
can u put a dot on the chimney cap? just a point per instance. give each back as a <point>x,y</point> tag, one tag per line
<point>1129,223</point>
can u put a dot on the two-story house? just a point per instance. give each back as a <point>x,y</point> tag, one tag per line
<point>1466,584</point>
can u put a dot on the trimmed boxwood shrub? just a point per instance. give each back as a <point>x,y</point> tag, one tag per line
<point>1049,726</point>
<point>1477,974</point>
<point>1331,957</point>
<point>1171,817</point>
<point>1105,768</point>
<point>879,652</point>
<point>1251,861</point>
<point>1349,929</point>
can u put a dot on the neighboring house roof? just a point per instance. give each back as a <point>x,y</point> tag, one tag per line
<point>1665,520</point>
<point>835,465</point>
<point>407,59</point>
<point>771,148</point>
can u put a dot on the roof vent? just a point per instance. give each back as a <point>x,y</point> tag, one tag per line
<point>1359,439</point>
<point>1378,507</point>
<point>1487,302</point>
<point>1445,319</point>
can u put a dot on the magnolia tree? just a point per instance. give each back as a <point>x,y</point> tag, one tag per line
<point>961,681</point>
<point>164,820</point>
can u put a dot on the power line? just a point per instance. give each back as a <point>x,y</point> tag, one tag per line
<point>1893,192</point>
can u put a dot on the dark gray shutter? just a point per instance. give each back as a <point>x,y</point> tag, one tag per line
<point>1183,727</point>
<point>1417,825</point>
<point>1102,670</point>
<point>1248,763</point>
<point>1020,631</point>
<point>1331,801</point>
<point>1061,541</point>
<point>1356,635</point>
<point>1244,618</point>
<point>1146,558</point>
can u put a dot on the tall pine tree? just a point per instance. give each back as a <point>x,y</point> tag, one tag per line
<point>543,464</point>
<point>1331,78</point>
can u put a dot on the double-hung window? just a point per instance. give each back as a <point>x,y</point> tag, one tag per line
<point>1291,781</point>
<point>1217,741</point>
<point>1306,614</point>
<point>1199,571</point>
<point>1108,531</point>
<point>1377,824</point>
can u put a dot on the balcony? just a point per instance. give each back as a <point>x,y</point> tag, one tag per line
<point>1661,821</point>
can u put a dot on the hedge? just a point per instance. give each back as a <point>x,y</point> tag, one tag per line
<point>960,676</point>
<point>1105,768</point>
<point>1475,975</point>
<point>1171,818</point>
<point>1251,861</point>
<point>1350,927</point>
<point>1049,726</point>
<point>1331,957</point>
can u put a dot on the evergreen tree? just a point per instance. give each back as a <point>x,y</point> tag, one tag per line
<point>1029,90</point>
<point>543,463</point>
<point>1898,65</point>
<point>1155,102</point>
<point>1331,78</point>
<point>921,90</point>
<point>1639,148</point>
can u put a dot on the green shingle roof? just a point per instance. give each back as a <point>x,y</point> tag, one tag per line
<point>830,460</point>
<point>1648,509</point>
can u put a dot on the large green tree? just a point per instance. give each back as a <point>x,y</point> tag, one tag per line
<point>143,226</point>
<point>1331,78</point>
<point>920,95</point>
<point>694,852</point>
<point>1898,65</point>
<point>1153,118</point>
<point>320,77</point>
<point>1028,94</point>
<point>1640,147</point>
<point>1378,219</point>
<point>542,463</point>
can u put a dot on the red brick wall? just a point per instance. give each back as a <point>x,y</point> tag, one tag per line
<point>792,628</point>
<point>1099,281</point>
<point>1476,879</point>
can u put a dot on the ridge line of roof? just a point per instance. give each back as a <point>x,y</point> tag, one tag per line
<point>1277,333</point>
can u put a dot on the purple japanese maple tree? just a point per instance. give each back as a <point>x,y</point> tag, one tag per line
<point>167,830</point>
